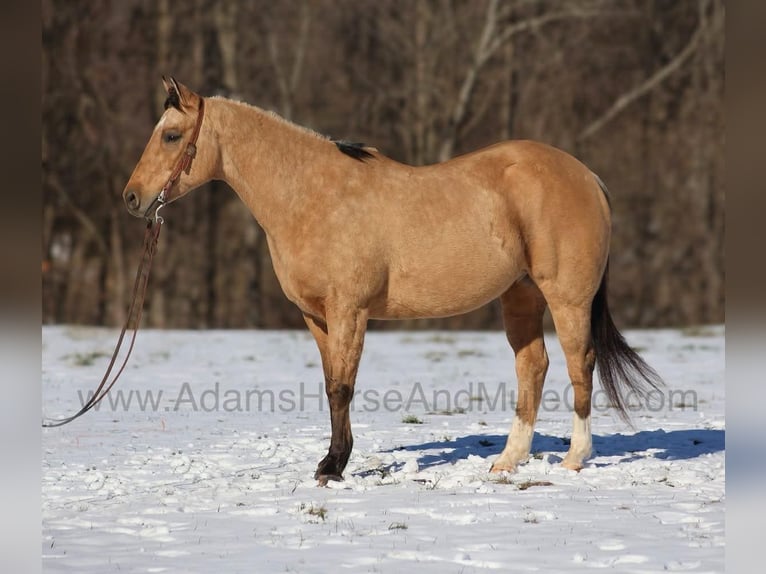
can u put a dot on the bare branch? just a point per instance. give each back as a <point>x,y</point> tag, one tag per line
<point>287,79</point>
<point>469,81</point>
<point>85,220</point>
<point>284,88</point>
<point>532,24</point>
<point>225,18</point>
<point>643,88</point>
<point>300,49</point>
<point>479,110</point>
<point>490,41</point>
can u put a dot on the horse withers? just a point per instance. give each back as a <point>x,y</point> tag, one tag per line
<point>354,235</point>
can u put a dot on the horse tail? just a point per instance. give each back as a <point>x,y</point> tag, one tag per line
<point>621,369</point>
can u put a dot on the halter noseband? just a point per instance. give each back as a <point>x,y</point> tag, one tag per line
<point>183,165</point>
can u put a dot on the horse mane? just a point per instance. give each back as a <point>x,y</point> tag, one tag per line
<point>358,151</point>
<point>355,150</point>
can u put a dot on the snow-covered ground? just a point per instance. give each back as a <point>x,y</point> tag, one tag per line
<point>204,460</point>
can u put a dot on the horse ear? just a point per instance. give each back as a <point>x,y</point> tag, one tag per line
<point>178,95</point>
<point>174,98</point>
<point>168,84</point>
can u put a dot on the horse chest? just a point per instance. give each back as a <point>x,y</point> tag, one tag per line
<point>302,278</point>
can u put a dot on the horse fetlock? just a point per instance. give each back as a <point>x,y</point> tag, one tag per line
<point>581,446</point>
<point>331,466</point>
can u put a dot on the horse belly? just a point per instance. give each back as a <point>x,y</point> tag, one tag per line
<point>442,286</point>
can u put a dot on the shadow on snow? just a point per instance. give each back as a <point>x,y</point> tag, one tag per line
<point>667,445</point>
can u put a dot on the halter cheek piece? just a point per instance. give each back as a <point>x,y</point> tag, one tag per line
<point>183,165</point>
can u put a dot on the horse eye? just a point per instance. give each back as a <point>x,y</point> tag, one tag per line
<point>171,137</point>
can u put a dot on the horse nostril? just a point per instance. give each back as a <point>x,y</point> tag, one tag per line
<point>132,200</point>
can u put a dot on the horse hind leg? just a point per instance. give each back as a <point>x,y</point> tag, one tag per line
<point>523,307</point>
<point>573,327</point>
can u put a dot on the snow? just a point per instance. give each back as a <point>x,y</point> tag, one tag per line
<point>214,472</point>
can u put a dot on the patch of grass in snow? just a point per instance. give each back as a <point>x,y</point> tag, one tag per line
<point>507,478</point>
<point>86,359</point>
<point>397,526</point>
<point>462,353</point>
<point>411,420</point>
<point>455,411</point>
<point>441,338</point>
<point>435,338</point>
<point>698,331</point>
<point>435,356</point>
<point>502,478</point>
<point>683,405</point>
<point>693,347</point>
<point>530,483</point>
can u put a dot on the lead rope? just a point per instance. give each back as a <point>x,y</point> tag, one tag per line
<point>132,322</point>
<point>142,275</point>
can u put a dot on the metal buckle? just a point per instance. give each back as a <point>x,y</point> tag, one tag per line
<point>161,201</point>
<point>157,218</point>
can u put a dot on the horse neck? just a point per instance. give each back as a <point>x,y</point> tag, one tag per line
<point>266,160</point>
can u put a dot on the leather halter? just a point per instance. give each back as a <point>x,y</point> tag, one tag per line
<point>184,163</point>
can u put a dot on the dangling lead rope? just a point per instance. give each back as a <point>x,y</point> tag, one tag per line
<point>142,275</point>
<point>132,322</point>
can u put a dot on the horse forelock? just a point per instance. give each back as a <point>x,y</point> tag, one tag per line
<point>173,100</point>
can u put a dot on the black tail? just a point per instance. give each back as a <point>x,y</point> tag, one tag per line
<point>620,368</point>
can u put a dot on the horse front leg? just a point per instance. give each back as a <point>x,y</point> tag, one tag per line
<point>340,340</point>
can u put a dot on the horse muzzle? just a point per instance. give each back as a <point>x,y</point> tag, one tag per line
<point>133,202</point>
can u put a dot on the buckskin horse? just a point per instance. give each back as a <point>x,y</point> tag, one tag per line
<point>354,235</point>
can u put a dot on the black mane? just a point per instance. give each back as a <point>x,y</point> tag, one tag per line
<point>353,149</point>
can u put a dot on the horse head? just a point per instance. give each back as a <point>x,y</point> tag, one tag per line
<point>164,173</point>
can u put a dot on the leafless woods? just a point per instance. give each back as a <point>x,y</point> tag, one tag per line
<point>634,88</point>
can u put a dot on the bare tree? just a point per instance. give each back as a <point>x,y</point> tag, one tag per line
<point>640,100</point>
<point>649,83</point>
<point>288,73</point>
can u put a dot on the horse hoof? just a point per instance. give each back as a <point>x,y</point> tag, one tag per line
<point>576,466</point>
<point>498,468</point>
<point>323,479</point>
